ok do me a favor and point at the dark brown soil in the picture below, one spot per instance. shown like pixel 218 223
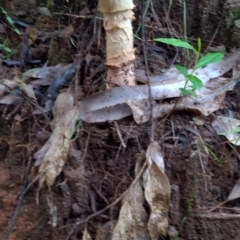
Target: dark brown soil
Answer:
pixel 99 169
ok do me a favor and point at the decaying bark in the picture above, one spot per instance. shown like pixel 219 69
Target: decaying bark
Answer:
pixel 118 16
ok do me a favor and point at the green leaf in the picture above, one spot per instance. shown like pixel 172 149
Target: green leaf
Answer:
pixel 5 42
pixel 176 43
pixel 16 30
pixel 235 130
pixel 186 92
pixel 209 58
pixel 9 19
pixel 3 11
pixel 197 83
pixel 199 45
pixel 7 49
pixel 182 70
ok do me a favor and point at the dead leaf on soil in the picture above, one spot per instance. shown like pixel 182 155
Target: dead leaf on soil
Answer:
pixel 6 85
pixel 52 156
pixel 209 99
pixel 86 235
pixel 28 90
pixel 228 127
pixel 157 192
pixel 141 110
pixel 132 222
pixel 13 98
pixel 116 103
pixel 235 193
pixel 105 231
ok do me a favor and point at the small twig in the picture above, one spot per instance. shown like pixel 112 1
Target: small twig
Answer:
pixel 78 16
pixel 86 147
pixel 216 207
pixel 214 35
pixel 147 73
pixel 119 134
pixel 203 169
pixel 110 205
pixel 92 198
pixel 219 216
pixel 125 140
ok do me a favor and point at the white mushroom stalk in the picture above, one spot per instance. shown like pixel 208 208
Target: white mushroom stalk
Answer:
pixel 118 16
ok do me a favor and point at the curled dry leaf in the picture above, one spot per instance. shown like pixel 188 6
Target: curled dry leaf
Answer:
pixel 52 156
pixel 11 99
pixel 28 90
pixel 141 109
pixel 228 127
pixel 210 97
pixel 132 222
pixel 116 103
pixel 7 85
pixel 105 231
pixel 157 192
pixel 86 235
pixel 235 193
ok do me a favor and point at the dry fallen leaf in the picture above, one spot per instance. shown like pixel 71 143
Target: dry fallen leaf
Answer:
pixel 116 103
pixel 141 109
pixel 157 192
pixel 11 99
pixel 86 235
pixel 235 193
pixel 7 85
pixel 228 127
pixel 132 222
pixel 52 156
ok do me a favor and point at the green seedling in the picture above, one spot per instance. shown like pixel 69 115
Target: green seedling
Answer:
pixel 4 46
pixel 10 20
pixel 199 62
pixel 74 135
pixel 232 131
pixel 235 130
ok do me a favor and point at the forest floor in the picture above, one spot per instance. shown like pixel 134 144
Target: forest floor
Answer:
pixel 98 170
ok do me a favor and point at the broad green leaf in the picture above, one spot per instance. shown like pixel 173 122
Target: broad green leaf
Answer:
pixel 186 92
pixel 175 42
pixel 209 58
pixel 182 70
pixel 197 83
